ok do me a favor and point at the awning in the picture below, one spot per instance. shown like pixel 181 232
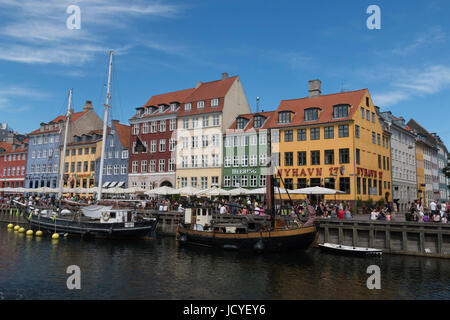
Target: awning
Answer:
pixel 120 184
pixel 105 184
pixel 113 184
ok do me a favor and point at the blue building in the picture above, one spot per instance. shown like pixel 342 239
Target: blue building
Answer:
pixel 115 166
pixel 45 146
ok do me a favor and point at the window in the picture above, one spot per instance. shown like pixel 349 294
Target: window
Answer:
pixel 253 160
pixel 253 181
pixel 152 146
pixel 311 114
pixel 244 181
pixel 215 140
pixel 262 159
pixel 373 138
pixel 173 107
pixel 301 135
pixel 215 160
pixel 205 121
pixel 301 183
pixel 357 131
pixel 384 162
pixel 387 164
pixel 205 141
pixel 244 161
pixel 85 166
pixel 244 141
pixel 74 152
pixel 373 117
pixel 116 169
pixel 288 183
pixel 171 144
pixel 226 181
pixel 367 115
pixel 330 183
pixel 214 102
pixel 204 161
pixel 258 122
pixel 145 127
pixel 236 161
pixel 93 150
pixel 136 129
pixel 288 158
pixel 328 132
pixel 92 166
pixel 329 156
pixel 378 139
pixel 364 186
pixel 379 161
pixel 172 124
pixel 284 117
pixel 315 158
pixel 162 126
pixel 185 123
pixel 171 164
pixel 262 180
pixel 72 167
pixel 161 165
pixel 134 166
pixel 358 155
pixel 216 120
pixel 194 182
pixel 194 142
pixel 204 182
pixel 187 106
pixel 162 145
pixel 253 140
pixel 343 131
pixel 200 104
pixel 344 156
pixel 195 122
pixel 358 185
pixel 263 138
pixel 288 135
pixel 194 162
pixel 340 111
pixel 228 161
pixel 144 166
pixel 315 133
pixel 152 165
pixel 301 158
pixel 240 123
pixel 124 154
pixel 344 185
pixel 184 162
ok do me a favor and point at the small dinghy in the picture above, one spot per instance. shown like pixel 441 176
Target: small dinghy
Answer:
pixel 338 248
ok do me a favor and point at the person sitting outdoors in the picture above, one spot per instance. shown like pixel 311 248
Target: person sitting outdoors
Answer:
pixel 348 214
pixel 341 213
pixel 374 214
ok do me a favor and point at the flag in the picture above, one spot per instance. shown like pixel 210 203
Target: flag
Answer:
pixel 31 214
pixel 54 216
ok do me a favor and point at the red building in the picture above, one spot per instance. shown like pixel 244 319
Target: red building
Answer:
pixel 13 160
pixel 153 139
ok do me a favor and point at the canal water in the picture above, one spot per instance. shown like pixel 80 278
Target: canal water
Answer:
pixel 33 268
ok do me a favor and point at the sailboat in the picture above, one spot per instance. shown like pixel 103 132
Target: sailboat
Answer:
pixel 97 221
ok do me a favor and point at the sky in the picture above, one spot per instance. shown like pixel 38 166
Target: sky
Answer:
pixel 274 46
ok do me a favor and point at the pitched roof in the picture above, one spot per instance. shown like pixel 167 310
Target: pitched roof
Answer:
pixel 324 102
pixel 8 147
pixel 74 117
pixel 251 117
pixel 124 134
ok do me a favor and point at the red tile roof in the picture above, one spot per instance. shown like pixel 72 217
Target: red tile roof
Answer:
pixel 74 117
pixel 8 147
pixel 324 102
pixel 124 134
pixel 268 115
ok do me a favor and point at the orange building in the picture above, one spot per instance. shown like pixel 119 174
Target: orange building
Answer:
pixel 336 141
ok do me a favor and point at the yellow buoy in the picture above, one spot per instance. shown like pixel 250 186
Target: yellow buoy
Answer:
pixel 30 232
pixel 55 236
pixel 38 233
pixel 21 230
pixel 16 228
pixel 10 226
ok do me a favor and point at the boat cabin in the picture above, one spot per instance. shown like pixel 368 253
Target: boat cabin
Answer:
pixel 117 216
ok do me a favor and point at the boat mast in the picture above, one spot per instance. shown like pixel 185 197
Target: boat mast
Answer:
pixel 105 124
pixel 66 132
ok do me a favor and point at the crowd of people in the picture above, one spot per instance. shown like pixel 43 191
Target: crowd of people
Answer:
pixel 436 212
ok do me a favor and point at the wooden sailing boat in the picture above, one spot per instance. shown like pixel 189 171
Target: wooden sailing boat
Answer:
pixel 273 232
pixel 95 221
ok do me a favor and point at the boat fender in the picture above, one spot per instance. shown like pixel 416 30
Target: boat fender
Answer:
pixel 259 246
pixel 105 215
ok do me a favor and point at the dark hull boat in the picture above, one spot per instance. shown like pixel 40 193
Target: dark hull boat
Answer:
pixel 271 241
pixel 96 229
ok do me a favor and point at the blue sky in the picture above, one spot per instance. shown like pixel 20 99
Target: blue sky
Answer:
pixel 274 46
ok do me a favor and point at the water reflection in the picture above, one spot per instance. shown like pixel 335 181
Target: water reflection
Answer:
pixel 160 269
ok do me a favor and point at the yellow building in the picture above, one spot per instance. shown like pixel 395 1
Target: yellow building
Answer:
pixel 420 171
pixel 336 141
pixel 80 160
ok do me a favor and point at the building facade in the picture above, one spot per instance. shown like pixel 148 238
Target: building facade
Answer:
pixel 335 141
pixel 246 152
pixel 404 168
pixel 429 150
pixel 13 158
pixel 202 120
pixel 81 160
pixel 43 165
pixel 153 138
pixel 442 158
pixel 115 163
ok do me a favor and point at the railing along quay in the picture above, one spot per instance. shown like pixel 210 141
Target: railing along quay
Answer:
pixel 407 238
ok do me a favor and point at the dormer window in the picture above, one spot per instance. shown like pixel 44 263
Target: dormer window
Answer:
pixel 284 117
pixel 312 114
pixel 173 106
pixel 241 123
pixel 214 102
pixel 187 106
pixel 161 109
pixel 200 104
pixel 258 122
pixel 340 111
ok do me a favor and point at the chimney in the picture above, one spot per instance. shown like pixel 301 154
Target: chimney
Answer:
pixel 199 83
pixel 224 75
pixel 314 88
pixel 88 106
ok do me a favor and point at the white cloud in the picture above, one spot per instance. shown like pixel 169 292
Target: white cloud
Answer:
pixel 412 83
pixel 431 36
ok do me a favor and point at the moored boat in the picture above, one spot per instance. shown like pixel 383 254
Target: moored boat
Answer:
pixel 350 250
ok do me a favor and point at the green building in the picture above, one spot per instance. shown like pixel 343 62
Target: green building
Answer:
pixel 246 152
